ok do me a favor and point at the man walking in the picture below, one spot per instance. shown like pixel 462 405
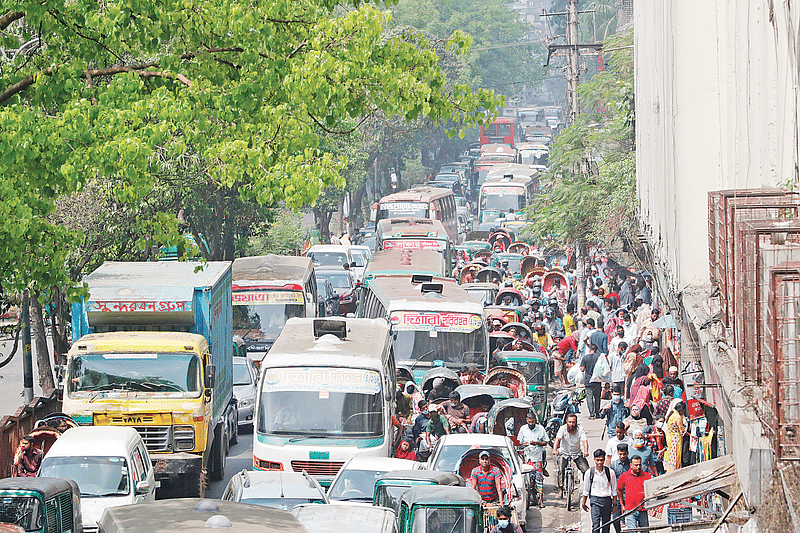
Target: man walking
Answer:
pixel 630 490
pixel 533 436
pixel 593 388
pixel 600 492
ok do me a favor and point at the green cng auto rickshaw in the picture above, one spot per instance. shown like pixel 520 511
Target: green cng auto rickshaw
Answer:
pixel 42 504
pixel 441 510
pixel 532 365
pixel 389 488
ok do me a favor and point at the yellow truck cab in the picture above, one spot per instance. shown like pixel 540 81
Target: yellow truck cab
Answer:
pixel 153 350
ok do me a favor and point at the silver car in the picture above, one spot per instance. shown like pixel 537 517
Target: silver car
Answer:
pixel 245 380
pixel 279 490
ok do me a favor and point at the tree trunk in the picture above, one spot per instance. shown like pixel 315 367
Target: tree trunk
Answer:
pixel 40 345
pixel 357 206
pixel 58 326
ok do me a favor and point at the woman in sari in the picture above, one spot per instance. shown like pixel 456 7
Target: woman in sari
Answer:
pixel 674 430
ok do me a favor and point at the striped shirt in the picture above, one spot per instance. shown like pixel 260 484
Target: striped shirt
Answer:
pixel 485 482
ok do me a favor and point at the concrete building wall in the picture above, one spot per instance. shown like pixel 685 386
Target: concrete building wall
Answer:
pixel 716 108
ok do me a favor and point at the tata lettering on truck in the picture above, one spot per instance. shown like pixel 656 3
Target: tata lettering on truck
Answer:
pixel 152 350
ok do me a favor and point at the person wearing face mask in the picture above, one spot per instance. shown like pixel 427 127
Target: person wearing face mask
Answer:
pixel 642 450
pixel 649 340
pixel 504 524
pixel 615 411
pixel 618 438
pixel 657 440
pixel 630 328
pixel 533 437
pixel 457 413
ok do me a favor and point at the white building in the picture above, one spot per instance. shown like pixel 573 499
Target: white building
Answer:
pixel 716 108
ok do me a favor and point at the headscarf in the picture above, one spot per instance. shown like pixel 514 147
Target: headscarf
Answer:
pixel 641 370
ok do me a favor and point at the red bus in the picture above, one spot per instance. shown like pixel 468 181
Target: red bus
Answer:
pixel 501 131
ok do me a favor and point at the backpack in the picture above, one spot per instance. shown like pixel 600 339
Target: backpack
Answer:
pixel 591 478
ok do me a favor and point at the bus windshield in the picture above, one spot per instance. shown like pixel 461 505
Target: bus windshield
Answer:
pixel 321 402
pixel 265 321
pixel 455 339
pixel 502 198
pixel 402 209
pixel 135 372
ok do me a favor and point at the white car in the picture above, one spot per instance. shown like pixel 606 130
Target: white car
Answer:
pixel 334 255
pixel 355 482
pixel 450 448
pixel 361 255
pixel 245 381
pixel 110 464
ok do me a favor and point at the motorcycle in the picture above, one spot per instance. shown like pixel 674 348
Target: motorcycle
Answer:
pixel 566 401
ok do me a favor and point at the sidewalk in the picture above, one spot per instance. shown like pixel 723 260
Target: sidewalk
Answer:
pixel 598 439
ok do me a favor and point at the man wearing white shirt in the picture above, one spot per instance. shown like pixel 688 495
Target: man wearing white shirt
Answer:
pixel 616 360
pixel 600 491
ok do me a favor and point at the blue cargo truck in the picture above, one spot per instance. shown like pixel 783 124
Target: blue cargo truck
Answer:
pixel 152 349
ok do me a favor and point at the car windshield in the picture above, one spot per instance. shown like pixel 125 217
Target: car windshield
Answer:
pixel 328 258
pixel 287 504
pixel 135 372
pixel 355 485
pixel 449 454
pixel 242 375
pixel 321 402
pixel 265 321
pixel 339 280
pixel 24 511
pixel 444 520
pixel 484 296
pixel 95 476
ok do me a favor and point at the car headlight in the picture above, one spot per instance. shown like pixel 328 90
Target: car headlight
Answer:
pixel 246 402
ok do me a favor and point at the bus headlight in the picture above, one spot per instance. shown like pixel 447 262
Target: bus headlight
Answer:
pixel 183 438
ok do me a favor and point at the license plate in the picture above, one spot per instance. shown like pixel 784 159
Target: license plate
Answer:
pixel 319 455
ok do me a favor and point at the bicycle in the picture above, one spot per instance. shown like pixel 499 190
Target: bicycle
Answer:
pixel 568 481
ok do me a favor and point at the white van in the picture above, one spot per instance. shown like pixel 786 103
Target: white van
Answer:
pixel 110 464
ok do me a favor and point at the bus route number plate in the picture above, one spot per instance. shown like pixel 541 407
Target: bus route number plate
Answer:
pixel 319 455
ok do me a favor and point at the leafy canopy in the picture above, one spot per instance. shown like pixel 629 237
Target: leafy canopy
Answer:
pixel 105 90
pixel 591 187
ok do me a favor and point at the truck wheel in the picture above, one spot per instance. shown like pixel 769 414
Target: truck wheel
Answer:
pixel 218 456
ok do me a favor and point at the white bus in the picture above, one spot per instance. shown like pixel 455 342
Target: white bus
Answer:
pixel 434 322
pixel 326 394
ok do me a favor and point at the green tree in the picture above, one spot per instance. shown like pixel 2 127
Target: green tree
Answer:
pixel 591 189
pixel 112 89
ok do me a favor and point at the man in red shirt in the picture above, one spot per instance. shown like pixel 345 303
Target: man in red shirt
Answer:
pixel 560 355
pixel 630 490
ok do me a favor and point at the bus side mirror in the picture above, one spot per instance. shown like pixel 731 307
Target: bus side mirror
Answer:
pixel 211 372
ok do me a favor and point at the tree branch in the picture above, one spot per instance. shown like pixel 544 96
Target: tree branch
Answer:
pixel 10 17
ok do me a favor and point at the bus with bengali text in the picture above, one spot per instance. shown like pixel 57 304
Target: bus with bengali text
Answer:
pixel 414 234
pixel 507 189
pixel 432 203
pixel 268 290
pixel 433 321
pixel 326 394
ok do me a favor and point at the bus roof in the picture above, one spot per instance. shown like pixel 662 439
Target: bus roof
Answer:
pixel 272 268
pixel 411 227
pixel 488 149
pixel 403 295
pixel 366 343
pixel 417 194
pixel 405 262
pixel 499 181
pixel 515 169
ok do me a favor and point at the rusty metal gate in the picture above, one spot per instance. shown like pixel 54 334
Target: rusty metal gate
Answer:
pixel 782 371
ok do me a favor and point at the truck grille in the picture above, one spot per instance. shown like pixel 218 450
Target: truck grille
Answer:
pixel 119 420
pixel 65 510
pixel 318 468
pixel 156 438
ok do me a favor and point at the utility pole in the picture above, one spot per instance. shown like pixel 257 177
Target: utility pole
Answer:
pixel 573 52
pixel 573 73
